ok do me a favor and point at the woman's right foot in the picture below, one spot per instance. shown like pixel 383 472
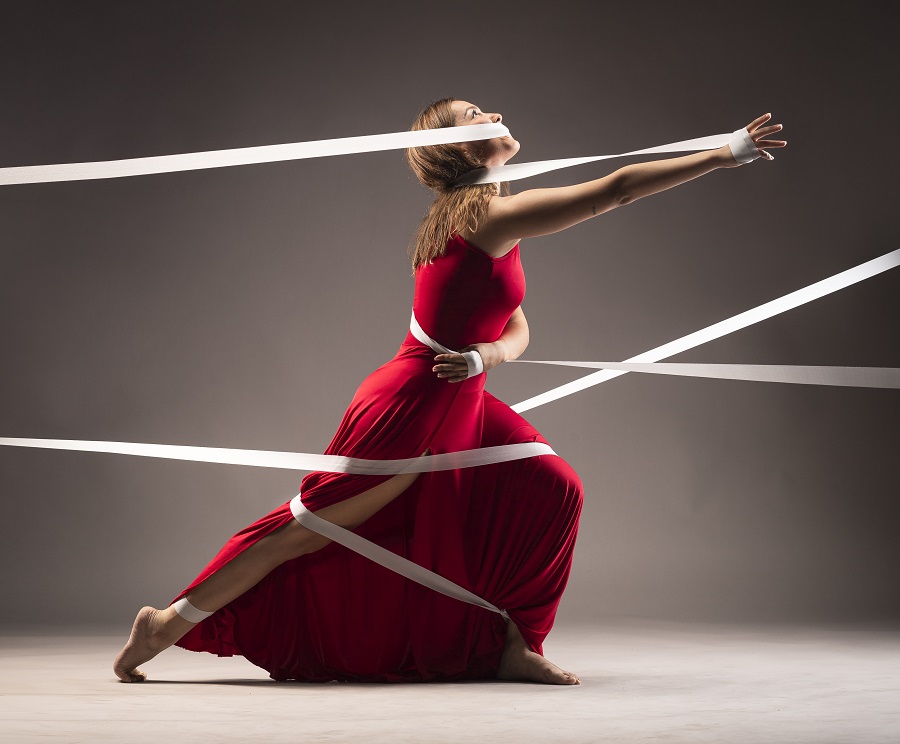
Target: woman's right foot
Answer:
pixel 524 665
pixel 153 631
pixel 520 664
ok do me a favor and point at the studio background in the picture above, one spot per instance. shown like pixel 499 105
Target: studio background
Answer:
pixel 240 307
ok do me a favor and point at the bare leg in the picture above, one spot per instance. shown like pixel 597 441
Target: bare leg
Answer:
pixel 155 630
pixel 520 664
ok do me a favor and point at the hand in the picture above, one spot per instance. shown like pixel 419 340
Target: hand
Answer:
pixel 757 133
pixel 452 367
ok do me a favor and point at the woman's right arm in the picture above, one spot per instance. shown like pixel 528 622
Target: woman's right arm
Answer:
pixel 545 211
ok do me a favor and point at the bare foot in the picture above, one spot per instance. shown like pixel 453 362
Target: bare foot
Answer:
pixel 153 631
pixel 520 664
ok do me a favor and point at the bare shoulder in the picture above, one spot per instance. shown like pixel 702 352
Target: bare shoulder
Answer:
pixel 491 237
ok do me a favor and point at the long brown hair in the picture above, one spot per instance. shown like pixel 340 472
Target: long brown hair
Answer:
pixel 455 208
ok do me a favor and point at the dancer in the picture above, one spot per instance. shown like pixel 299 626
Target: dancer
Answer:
pixel 303 608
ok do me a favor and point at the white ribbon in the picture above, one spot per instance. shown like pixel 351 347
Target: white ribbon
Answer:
pixel 857 376
pixel 247 155
pixel 724 327
pixel 340 146
pixel 386 558
pixel 872 377
pixel 298 460
pixel 502 173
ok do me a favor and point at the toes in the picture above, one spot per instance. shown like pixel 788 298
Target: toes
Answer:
pixel 129 675
pixel 561 676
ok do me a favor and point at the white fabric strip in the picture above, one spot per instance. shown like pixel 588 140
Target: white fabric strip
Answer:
pixel 487 455
pixel 474 362
pixel 386 558
pixel 189 612
pixel 872 377
pixel 326 148
pixel 299 460
pixel 502 173
pixel 247 155
pixel 723 328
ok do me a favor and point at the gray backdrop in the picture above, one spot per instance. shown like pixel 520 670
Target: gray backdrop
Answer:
pixel 241 307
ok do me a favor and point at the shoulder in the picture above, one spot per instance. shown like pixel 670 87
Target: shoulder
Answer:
pixel 490 236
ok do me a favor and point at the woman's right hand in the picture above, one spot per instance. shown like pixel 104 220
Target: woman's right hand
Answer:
pixel 757 133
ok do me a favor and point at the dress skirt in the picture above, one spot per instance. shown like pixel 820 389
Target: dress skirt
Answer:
pixel 505 531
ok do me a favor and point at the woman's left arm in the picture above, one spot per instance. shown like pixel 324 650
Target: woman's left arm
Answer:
pixel 512 342
pixel 544 211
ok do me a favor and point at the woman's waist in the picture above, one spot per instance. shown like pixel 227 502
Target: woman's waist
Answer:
pixel 416 349
pixel 415 361
pixel 430 334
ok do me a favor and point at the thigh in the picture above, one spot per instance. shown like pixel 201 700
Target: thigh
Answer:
pixel 502 425
pixel 353 511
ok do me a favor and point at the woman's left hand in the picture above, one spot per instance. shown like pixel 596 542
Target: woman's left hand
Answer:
pixel 757 133
pixel 452 367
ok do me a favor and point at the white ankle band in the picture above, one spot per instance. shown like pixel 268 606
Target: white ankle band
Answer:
pixel 189 612
pixel 743 148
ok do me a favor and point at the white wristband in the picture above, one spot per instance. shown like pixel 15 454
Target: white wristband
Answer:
pixel 743 148
pixel 474 362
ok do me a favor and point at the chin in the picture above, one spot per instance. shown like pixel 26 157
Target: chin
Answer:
pixel 497 151
pixel 508 150
pixel 513 146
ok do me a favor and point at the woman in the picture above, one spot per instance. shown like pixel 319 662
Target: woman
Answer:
pixel 302 608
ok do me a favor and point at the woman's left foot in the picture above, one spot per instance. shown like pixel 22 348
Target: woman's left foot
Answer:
pixel 151 633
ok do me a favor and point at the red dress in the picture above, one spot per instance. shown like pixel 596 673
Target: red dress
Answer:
pixel 504 531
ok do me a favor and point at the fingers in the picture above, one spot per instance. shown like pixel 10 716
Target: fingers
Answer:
pixel 449 362
pixel 765 131
pixel 452 367
pixel 758 122
pixel 457 375
pixel 758 132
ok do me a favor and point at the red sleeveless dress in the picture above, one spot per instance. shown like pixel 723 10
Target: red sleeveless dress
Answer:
pixel 504 531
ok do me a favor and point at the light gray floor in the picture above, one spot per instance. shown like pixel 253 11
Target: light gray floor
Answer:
pixel 642 682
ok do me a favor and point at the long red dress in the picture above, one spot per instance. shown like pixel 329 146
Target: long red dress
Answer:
pixel 504 531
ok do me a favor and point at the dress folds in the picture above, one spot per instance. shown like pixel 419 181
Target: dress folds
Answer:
pixel 504 531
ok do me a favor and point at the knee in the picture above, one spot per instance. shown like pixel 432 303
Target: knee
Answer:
pixel 560 481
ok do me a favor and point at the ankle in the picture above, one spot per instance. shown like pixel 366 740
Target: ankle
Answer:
pixel 170 626
pixel 514 639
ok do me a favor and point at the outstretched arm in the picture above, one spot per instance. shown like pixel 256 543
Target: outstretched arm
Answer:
pixel 544 211
pixel 511 344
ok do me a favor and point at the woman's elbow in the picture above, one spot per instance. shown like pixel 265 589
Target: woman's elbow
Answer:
pixel 621 189
pixel 614 192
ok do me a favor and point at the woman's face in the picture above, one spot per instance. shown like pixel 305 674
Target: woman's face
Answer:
pixel 490 152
